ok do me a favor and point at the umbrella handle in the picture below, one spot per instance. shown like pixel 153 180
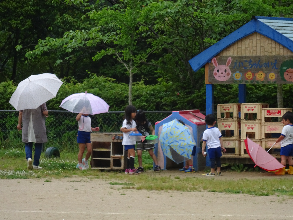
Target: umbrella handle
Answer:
pixel 271 146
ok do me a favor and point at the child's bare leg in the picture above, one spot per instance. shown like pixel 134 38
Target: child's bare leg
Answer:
pixel 151 152
pixel 139 153
pixel 218 161
pixel 290 161
pixel 89 151
pixel 81 151
pixel 131 152
pixel 283 160
pixel 212 170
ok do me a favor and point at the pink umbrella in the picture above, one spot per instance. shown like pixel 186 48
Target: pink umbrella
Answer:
pixel 85 103
pixel 262 158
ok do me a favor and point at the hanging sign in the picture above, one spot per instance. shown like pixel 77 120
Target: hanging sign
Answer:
pixel 251 69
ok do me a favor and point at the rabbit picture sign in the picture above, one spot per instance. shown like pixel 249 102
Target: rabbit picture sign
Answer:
pixel 251 69
pixel 222 72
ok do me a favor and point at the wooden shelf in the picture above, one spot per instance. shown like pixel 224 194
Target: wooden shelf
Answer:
pixel 108 153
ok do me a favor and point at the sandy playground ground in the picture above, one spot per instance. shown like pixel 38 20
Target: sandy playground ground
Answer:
pixel 86 198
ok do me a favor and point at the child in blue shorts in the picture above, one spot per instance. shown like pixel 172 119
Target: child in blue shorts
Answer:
pixel 84 139
pixel 212 138
pixel 286 140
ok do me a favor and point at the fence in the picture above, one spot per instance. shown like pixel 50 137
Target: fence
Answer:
pixel 62 126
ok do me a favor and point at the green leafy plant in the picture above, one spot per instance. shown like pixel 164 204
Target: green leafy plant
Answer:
pixel 238 167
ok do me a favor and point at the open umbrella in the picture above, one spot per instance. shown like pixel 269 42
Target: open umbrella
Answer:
pixel 176 141
pixel 261 157
pixel 85 103
pixel 34 91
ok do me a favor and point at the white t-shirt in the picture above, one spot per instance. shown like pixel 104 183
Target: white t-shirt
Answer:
pixel 84 124
pixel 287 132
pixel 212 137
pixel 126 139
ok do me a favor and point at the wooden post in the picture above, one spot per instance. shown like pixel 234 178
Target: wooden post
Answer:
pixel 242 93
pixel 209 102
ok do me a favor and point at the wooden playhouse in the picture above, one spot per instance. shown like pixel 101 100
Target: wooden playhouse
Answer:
pixel 259 52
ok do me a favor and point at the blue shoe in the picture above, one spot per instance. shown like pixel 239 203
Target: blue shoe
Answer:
pixel 190 170
pixel 157 168
pixel 183 169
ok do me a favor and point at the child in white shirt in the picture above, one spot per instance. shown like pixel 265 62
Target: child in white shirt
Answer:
pixel 84 139
pixel 212 138
pixel 128 126
pixel 286 140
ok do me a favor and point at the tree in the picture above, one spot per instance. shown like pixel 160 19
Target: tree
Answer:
pixel 22 24
pixel 116 31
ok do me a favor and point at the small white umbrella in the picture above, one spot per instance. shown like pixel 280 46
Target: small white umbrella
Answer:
pixel 35 90
pixel 85 103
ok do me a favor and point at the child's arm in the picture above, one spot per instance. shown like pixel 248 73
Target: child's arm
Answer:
pixel 203 148
pixel 78 116
pixel 152 130
pixel 280 138
pixel 222 146
pixel 95 129
pixel 125 130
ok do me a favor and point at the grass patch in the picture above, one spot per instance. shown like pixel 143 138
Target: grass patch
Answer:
pixel 13 166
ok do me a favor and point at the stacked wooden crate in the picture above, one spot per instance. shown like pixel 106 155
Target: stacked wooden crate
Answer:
pixel 272 126
pixel 251 116
pixel 253 120
pixel 229 125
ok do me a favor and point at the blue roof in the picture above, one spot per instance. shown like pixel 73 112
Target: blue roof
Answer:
pixel 278 29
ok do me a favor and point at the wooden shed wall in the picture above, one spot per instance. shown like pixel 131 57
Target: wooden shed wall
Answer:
pixel 255 45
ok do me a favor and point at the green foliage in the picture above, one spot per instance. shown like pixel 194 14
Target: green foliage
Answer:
pixel 14 153
pixel 58 164
pixel 239 167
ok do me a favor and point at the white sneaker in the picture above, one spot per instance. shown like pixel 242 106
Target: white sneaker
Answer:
pixel 37 167
pixel 29 163
pixel 80 166
pixel 85 164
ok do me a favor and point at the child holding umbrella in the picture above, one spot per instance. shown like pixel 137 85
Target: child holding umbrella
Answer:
pixel 286 140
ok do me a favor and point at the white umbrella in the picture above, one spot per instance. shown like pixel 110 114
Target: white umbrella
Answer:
pixel 35 90
pixel 85 103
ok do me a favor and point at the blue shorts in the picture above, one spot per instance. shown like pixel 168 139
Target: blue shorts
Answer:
pixel 193 151
pixel 287 150
pixel 127 147
pixel 215 152
pixel 83 137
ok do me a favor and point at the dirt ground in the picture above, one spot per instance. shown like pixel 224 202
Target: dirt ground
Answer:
pixel 84 198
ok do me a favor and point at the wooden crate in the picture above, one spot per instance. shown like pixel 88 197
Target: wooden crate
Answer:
pixel 251 129
pixel 252 111
pixel 229 128
pixel 232 146
pixel 228 111
pixel 267 144
pixel 107 151
pixel 270 113
pixel 269 128
pixel 243 152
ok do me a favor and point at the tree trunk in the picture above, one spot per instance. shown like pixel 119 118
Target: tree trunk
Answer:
pixel 15 57
pixel 130 87
pixel 280 95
